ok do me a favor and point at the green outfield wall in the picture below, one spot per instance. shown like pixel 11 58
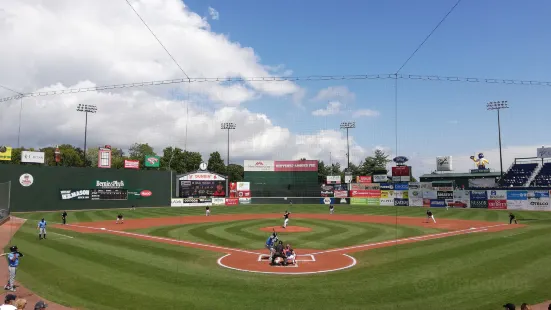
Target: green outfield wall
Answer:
pixel 49 188
pixel 283 184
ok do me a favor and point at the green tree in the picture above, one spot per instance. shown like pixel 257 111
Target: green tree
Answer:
pixel 216 163
pixel 236 173
pixel 138 151
pixel 71 156
pixel 374 164
pixel 180 161
pixel 413 179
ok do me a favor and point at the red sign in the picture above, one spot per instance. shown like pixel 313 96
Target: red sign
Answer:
pixel 400 171
pixel 340 194
pixel 244 194
pixel 363 179
pixel 232 201
pixel 233 189
pixel 131 164
pixel 426 202
pixel 104 158
pixel 366 193
pixel 357 186
pixel 295 165
pixel 497 204
pixel 146 193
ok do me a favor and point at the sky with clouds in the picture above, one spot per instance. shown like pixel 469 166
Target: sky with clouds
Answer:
pixel 57 45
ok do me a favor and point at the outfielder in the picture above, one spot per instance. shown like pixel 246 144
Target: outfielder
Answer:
pixel 331 209
pixel 13 263
pixel 120 219
pixel 286 216
pixel 64 217
pixel 430 216
pixel 207 211
pixel 512 218
pixel 41 229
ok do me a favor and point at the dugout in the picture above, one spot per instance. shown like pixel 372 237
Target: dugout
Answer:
pixel 283 184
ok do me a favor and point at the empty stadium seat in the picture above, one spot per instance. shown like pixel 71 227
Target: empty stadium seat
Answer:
pixel 518 175
pixel 543 178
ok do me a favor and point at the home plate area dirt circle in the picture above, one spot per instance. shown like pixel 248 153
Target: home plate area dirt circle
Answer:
pixel 288 229
pixel 306 263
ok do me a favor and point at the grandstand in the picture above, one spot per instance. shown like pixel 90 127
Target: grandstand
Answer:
pixel 528 172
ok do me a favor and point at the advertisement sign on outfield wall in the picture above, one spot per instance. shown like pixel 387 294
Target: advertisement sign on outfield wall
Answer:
pixel 386 201
pixel 401 202
pixel 517 195
pixel 444 194
pixel 426 202
pixel 258 165
pixel 364 179
pixel 479 204
pixel 380 178
pixel 497 195
pixel 231 201
pixel 327 200
pixel 295 165
pixel 358 201
pixel 429 194
pixel 218 201
pixel 401 186
pixel 333 179
pixel 243 186
pixel 479 195
pixel 416 202
pixel 437 203
pixel 340 194
pixel 367 193
pixel 496 204
pixel 244 201
pixel 400 171
pixel 244 194
pixel 517 204
pixel 373 201
pixel 386 186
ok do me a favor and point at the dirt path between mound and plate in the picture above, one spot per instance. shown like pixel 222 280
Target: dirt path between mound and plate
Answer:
pixel 7 231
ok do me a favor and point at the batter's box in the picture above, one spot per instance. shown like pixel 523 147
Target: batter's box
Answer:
pixel 300 258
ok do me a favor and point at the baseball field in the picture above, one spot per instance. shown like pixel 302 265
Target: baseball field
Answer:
pixel 358 258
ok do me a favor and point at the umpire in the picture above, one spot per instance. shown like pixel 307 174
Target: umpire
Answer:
pixel 278 253
pixel 64 217
pixel 13 263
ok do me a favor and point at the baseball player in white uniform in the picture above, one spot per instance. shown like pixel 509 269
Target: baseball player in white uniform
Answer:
pixel 286 216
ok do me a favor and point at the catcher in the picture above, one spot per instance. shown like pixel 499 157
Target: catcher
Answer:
pixel 279 253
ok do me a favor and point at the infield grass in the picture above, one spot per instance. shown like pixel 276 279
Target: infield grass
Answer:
pixel 103 271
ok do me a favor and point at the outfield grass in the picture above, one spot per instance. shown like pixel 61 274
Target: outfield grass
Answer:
pixel 102 271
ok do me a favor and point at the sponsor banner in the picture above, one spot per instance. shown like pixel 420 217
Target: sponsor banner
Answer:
pixel 415 193
pixel 444 163
pixel 327 201
pixel 152 161
pixel 458 203
pixel 443 188
pixel 5 154
pixel 109 184
pixel 414 185
pixel 386 201
pixel 396 179
pixel 497 204
pixel 295 165
pixel 131 164
pixel 461 195
pixel 74 194
pixel 426 185
pixel 244 201
pixel 401 186
pixel 430 194
pixel 479 195
pixel 233 189
pixel 482 183
pixel 327 190
pixel 347 179
pixel 32 157
pixel 402 202
pixel 400 171
pixel 538 194
pixel 379 178
pixel 219 201
pixel 461 199
pixel 426 202
pixel 437 203
pixel 387 194
pixel 366 193
pixel 343 201
pixel 190 202
pixel 26 180
pixel 244 194
pixel 258 165
pixel 231 201
pixel 405 179
pixel 479 204
pixel 517 204
pixel 539 204
pixel 372 186
pixel 243 186
pixel 497 195
pixel 400 194
pixel 104 157
pixel 177 202
pixel 373 201
pixel 387 186
pixel 517 195
pixel 444 195
pixel 333 179
pixel 364 179
pixel 358 201
pixel 340 194
pixel 416 202
pixel 204 176
pixel 357 186
pixel 544 152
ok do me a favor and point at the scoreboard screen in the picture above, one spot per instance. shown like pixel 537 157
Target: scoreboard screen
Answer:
pixel 201 188
pixel 109 194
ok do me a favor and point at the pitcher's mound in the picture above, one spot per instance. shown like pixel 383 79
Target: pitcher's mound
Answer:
pixel 290 229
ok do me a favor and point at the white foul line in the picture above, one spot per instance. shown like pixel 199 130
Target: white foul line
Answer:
pixel 166 239
pixel 419 238
pixel 65 236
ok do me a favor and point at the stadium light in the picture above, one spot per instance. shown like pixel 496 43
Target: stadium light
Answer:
pixel 347 126
pixel 498 105
pixel 228 127
pixel 86 108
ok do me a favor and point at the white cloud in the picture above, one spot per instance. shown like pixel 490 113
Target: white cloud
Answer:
pixel 214 13
pixel 366 113
pixel 333 107
pixel 338 93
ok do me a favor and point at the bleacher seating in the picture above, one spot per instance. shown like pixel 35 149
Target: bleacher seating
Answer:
pixel 544 176
pixel 518 175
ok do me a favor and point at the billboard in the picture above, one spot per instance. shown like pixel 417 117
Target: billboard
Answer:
pixel 358 201
pixel 104 158
pixel 373 201
pixel 497 204
pixel 32 157
pixel 131 164
pixel 538 201
pixel 258 165
pixel 401 171
pixel 444 163
pixel 152 161
pixel 378 178
pixel 364 179
pixel 437 203
pixel 544 152
pixel 401 186
pixel 333 179
pixel 5 154
pixel 386 201
pixel 401 202
pixel 497 195
pixel 295 165
pixel 517 195
pixel 366 193
pixel 340 194
pixel 243 186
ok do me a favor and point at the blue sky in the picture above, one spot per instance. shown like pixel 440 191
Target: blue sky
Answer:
pixel 488 39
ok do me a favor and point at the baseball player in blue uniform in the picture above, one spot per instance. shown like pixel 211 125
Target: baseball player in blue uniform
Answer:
pixel 42 229
pixel 271 242
pixel 13 263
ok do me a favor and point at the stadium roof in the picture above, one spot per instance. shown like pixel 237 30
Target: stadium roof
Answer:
pixel 461 175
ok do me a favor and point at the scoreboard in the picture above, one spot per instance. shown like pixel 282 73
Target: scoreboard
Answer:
pixel 109 194
pixel 200 188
